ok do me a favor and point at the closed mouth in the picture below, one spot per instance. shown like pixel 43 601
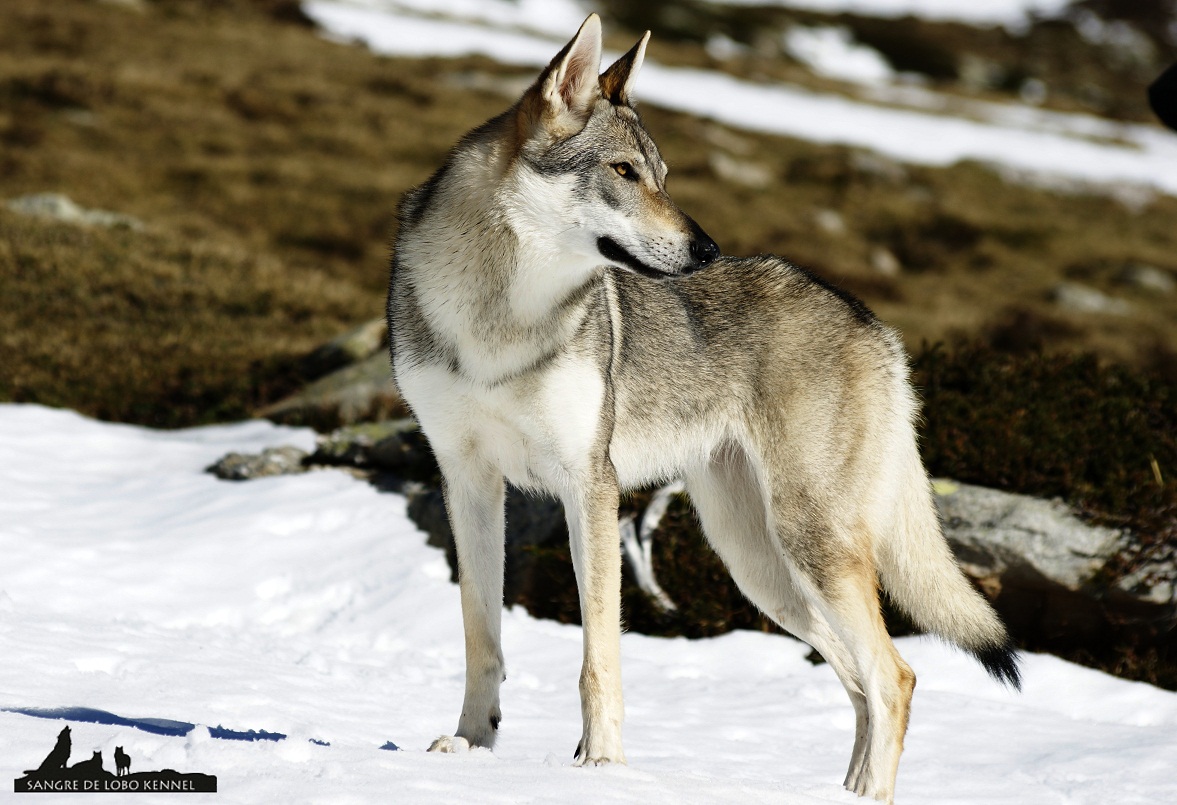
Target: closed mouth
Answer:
pixel 613 251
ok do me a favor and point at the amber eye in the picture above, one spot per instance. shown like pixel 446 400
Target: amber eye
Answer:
pixel 625 171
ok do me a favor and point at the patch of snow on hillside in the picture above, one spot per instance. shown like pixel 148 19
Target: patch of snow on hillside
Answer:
pixel 832 52
pixel 1011 13
pixel 1022 140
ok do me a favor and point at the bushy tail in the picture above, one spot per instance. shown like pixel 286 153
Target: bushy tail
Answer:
pixel 920 574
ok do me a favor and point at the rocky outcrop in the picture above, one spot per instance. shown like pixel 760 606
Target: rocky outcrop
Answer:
pixel 357 344
pixel 272 461
pixel 1077 298
pixel 360 392
pixel 351 382
pixel 1046 570
pixel 1004 539
pixel 395 451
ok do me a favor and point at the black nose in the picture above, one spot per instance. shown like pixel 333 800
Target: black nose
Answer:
pixel 703 249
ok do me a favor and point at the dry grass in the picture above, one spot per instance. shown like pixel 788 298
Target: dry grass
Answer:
pixel 266 164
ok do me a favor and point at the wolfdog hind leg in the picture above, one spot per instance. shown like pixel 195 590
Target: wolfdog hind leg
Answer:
pixel 727 494
pixel 596 558
pixel 474 496
pixel 844 607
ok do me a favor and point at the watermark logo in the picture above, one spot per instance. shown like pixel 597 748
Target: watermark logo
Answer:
pixel 56 775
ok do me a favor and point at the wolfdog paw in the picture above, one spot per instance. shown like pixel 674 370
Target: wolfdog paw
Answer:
pixel 449 743
pixel 869 789
pixel 602 756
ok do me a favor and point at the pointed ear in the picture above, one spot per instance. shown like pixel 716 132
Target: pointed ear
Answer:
pixel 570 82
pixel 562 99
pixel 617 81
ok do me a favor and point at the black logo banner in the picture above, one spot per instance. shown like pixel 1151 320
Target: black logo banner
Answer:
pixel 57 775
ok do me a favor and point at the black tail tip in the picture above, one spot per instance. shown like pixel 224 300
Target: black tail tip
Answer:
pixel 1001 661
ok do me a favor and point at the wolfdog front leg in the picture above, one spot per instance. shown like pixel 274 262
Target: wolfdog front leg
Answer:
pixel 596 558
pixel 474 494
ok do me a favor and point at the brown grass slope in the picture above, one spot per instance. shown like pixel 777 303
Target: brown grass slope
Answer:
pixel 266 164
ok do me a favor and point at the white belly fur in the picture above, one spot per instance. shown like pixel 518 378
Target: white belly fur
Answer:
pixel 643 455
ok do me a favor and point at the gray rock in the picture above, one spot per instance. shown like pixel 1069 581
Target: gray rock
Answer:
pixel 353 383
pixel 1005 540
pixel 885 262
pixel 978 73
pixel 1153 581
pixel 507 86
pixel 1148 278
pixel 353 346
pixel 742 172
pixel 393 446
pixel 353 444
pixel 359 392
pixel 272 461
pixel 62 208
pixel 1082 299
pixel 727 140
pixel 1053 576
pixel 1017 539
pixel 830 221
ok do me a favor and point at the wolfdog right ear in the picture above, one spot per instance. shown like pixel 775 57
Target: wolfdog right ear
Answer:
pixel 618 80
pixel 562 99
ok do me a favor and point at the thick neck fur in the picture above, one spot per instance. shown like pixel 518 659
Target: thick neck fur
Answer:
pixel 486 265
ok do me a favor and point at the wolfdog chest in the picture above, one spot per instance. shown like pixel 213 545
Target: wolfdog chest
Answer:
pixel 632 381
pixel 539 430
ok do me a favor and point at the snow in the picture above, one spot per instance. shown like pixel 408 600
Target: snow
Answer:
pixel 1013 13
pixel 559 18
pixel 831 51
pixel 1070 150
pixel 137 584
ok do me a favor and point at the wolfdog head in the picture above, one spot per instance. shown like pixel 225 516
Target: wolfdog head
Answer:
pixel 587 164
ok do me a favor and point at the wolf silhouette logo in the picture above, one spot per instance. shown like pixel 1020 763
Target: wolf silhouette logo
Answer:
pixel 58 756
pixel 89 768
pixel 122 761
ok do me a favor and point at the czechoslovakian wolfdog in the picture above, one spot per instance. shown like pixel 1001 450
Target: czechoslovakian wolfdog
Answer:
pixel 545 331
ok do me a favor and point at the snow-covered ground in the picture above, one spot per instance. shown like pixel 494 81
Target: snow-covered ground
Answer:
pixel 135 583
pixel 933 129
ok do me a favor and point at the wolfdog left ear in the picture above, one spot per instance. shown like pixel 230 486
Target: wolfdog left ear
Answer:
pixel 562 99
pixel 617 81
